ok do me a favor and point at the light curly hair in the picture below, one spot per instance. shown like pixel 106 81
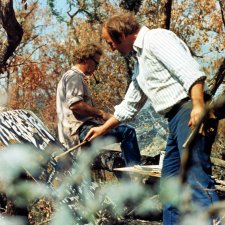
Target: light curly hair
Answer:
pixel 125 23
pixel 85 52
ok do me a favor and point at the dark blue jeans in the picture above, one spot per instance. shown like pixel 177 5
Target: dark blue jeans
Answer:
pixel 199 174
pixel 124 134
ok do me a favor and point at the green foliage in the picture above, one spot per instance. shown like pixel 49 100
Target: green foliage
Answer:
pixel 11 221
pixel 75 198
pixel 51 4
pixel 78 200
pixel 171 190
pixel 15 160
pixel 61 215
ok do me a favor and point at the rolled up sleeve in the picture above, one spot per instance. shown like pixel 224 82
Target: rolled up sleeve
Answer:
pixel 74 90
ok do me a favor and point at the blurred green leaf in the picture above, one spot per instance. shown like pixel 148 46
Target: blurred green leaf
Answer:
pixel 24 192
pixel 170 191
pixel 12 221
pixel 62 216
pixel 17 159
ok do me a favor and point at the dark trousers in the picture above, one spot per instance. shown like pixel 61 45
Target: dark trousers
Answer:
pixel 124 134
pixel 199 174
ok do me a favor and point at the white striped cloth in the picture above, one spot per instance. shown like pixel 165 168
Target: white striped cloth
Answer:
pixel 164 74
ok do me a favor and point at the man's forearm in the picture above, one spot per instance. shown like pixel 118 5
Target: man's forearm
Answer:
pixel 111 123
pixel 84 109
pixel 197 94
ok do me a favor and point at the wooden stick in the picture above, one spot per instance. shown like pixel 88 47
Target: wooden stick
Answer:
pixel 140 171
pixel 30 175
pixel 68 151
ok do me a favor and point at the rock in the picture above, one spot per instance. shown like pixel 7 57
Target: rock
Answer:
pixel 151 129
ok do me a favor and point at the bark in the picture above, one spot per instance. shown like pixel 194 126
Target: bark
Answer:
pixel 168 9
pixel 131 5
pixel 12 28
pixel 217 79
pixel 130 62
pixel 164 11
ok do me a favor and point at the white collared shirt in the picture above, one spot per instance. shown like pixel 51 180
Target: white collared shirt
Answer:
pixel 164 74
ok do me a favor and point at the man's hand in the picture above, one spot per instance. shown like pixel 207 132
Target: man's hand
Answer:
pixel 94 132
pixel 196 114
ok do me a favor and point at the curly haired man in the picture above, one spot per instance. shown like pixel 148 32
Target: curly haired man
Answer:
pixel 77 113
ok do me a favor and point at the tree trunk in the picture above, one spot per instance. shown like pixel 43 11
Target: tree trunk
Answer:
pixel 131 5
pixel 222 7
pixel 12 28
pixel 168 9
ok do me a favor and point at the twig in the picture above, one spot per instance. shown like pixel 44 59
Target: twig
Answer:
pixel 46 221
pixel 56 158
pixel 30 175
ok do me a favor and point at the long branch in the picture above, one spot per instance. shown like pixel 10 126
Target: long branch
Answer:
pixel 187 151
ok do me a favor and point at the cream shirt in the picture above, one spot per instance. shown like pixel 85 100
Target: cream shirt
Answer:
pixel 71 88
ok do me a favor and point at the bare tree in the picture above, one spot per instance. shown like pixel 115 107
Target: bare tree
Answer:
pixel 222 7
pixel 13 31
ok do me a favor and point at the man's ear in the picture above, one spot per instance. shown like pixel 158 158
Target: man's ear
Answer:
pixel 122 37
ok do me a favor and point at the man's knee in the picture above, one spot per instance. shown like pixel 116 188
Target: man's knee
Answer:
pixel 129 130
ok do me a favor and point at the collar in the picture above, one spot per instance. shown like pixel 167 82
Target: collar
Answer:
pixel 138 43
pixel 74 68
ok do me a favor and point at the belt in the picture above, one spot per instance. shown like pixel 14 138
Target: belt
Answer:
pixel 176 108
